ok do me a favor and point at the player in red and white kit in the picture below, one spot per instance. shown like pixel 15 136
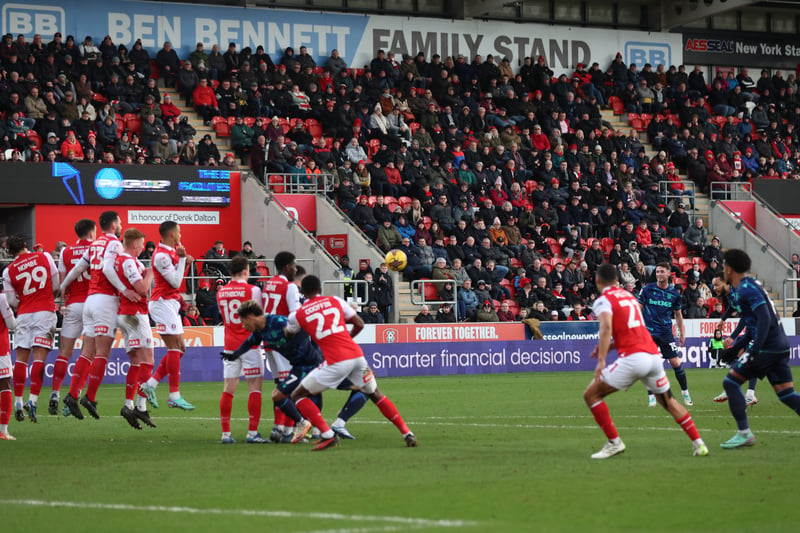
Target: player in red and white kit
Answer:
pixel 281 297
pixel 8 323
pixel 325 319
pixel 134 323
pixel 638 359
pixel 30 284
pixel 74 298
pixel 99 313
pixel 169 265
pixel 250 365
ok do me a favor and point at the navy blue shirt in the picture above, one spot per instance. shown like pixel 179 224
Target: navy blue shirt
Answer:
pixel 299 350
pixel 658 308
pixel 764 331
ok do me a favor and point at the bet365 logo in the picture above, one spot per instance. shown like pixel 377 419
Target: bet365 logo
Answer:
pixel 30 19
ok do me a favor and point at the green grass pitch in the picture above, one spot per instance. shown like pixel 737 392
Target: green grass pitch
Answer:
pixel 497 453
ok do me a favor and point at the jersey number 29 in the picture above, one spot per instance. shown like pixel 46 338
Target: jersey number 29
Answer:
pixel 34 280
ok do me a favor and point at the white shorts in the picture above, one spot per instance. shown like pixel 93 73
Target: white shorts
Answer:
pixel 72 325
pixel 250 365
pixel 278 365
pixel 641 366
pixel 167 316
pixel 327 376
pixel 100 315
pixel 136 332
pixel 35 329
pixel 5 366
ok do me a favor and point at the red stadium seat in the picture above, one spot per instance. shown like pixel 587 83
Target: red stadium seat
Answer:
pixel 428 221
pixel 231 121
pixel 513 306
pixel 222 129
pixel 249 121
pixel 607 244
pixel 276 184
pixel 405 202
pixel 508 285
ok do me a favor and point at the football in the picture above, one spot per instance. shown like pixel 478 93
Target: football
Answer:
pixel 396 260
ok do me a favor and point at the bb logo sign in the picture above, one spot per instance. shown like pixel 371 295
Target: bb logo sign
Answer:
pixel 30 19
pixel 654 53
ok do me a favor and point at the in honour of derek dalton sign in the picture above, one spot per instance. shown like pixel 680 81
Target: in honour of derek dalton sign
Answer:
pixel 181 217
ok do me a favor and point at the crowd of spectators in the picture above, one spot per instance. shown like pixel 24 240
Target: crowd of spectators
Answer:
pixel 485 166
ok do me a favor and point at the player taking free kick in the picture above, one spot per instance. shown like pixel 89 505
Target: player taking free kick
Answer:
pixel 638 359
pixel 325 319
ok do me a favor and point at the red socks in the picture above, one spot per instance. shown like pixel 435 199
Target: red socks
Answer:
pixel 132 382
pixel 173 367
pixel 161 371
pixel 392 415
pixel 145 369
pixel 59 371
pixel 603 419
pixel 225 407
pixel 6 401
pixel 310 412
pixel 37 377
pixel 20 375
pixel 79 375
pixel 96 375
pixel 687 425
pixel 253 409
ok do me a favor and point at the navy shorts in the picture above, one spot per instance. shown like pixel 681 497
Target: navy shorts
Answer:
pixel 773 366
pixel 668 348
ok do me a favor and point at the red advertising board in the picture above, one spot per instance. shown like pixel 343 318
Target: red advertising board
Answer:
pixel 336 245
pixel 395 333
pixel 303 207
pixel 745 209
pixel 200 226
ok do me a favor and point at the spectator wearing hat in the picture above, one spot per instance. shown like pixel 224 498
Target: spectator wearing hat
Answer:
pixel 205 102
pixel 486 313
pixel 207 150
pixel 372 315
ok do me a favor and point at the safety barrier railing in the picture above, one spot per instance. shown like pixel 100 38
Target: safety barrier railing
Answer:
pixel 685 196
pixel 352 290
pixel 418 289
pixel 725 190
pixel 790 294
pixel 298 182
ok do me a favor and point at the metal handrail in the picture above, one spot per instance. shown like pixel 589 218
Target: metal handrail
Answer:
pixel 730 190
pixel 289 183
pixel 418 288
pixel 787 292
pixel 353 285
pixel 666 192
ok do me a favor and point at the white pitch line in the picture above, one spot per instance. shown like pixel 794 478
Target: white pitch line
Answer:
pixel 405 521
pixel 417 422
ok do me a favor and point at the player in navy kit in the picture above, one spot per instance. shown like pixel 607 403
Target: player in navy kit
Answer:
pixel 303 355
pixel 660 302
pixel 763 351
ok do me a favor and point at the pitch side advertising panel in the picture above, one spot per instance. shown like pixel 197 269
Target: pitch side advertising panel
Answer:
pixel 450 349
pixel 90 184
pixel 356 37
pixel 704 47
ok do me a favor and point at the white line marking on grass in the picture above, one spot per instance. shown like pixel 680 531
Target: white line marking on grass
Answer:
pixel 406 522
pixel 419 422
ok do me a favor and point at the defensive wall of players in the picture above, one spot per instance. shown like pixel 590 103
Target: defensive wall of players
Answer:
pixel 394 350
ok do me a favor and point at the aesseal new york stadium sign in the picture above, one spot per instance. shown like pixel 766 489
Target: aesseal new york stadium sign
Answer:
pixel 89 184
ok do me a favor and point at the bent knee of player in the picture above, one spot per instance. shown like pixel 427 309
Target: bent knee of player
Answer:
pixel 375 396
pixel 300 392
pixel 778 387
pixel 278 395
pixel 5 384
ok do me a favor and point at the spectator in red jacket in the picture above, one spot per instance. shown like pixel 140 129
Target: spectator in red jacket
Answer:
pixel 205 101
